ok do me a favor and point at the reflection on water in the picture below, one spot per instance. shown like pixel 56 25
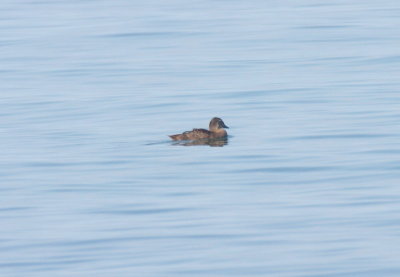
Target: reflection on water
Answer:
pixel 218 142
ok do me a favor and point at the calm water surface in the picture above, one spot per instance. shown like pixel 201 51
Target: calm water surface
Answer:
pixel 307 184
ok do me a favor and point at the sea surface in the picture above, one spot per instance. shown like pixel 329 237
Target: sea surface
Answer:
pixel 307 184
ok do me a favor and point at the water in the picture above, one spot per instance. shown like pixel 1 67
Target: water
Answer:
pixel 306 185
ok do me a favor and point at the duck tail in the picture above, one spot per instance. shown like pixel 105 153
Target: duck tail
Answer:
pixel 175 137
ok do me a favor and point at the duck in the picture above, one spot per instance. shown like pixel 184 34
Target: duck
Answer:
pixel 216 130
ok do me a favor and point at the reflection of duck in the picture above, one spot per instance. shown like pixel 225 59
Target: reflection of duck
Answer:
pixel 216 131
pixel 211 142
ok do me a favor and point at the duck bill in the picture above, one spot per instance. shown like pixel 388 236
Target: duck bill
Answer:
pixel 223 125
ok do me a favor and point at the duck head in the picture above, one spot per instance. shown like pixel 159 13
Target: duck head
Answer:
pixel 217 123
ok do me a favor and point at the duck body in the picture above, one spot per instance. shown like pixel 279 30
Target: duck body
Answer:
pixel 196 134
pixel 216 131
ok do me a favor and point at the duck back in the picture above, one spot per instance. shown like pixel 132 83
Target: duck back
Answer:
pixel 192 135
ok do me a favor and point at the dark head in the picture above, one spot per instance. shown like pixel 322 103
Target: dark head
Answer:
pixel 217 123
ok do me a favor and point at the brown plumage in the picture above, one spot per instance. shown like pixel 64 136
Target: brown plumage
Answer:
pixel 216 131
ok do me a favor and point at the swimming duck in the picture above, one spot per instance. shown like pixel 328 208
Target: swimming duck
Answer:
pixel 216 131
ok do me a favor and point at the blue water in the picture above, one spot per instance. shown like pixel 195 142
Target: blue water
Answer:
pixel 306 185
